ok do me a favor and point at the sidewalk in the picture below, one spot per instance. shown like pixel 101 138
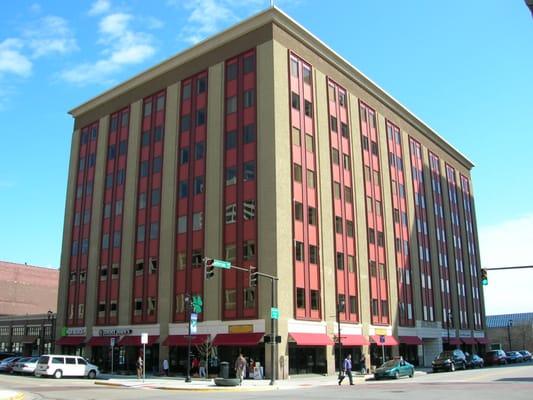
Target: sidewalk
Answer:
pixel 11 395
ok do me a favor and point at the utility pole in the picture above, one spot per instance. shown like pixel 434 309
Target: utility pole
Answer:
pixel 340 308
pixel 509 326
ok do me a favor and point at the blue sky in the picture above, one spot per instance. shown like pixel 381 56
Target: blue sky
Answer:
pixel 464 67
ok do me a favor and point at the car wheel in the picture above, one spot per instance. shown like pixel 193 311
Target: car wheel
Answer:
pixel 58 374
pixel 396 375
pixel 412 373
pixel 452 367
pixel 91 374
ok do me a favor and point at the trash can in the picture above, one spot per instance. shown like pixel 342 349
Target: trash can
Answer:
pixel 224 370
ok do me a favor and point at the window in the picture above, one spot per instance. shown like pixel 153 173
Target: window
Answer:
pixel 83 275
pixel 152 265
pixel 230 252
pixel 154 230
pixel 342 99
pixel 158 133
pixel 114 123
pixel 72 277
pixel 311 179
pixel 347 162
pixel 307 75
pixel 382 271
pixel 231 71
pixel 86 216
pixel 374 147
pixel 315 297
pixel 186 93
pixel 185 123
pixel 308 108
pixel 339 260
pixel 297 172
pixel 229 299
pixel 381 239
pixel 112 312
pixel 300 297
pixel 371 236
pixel 249 64
pixel 378 208
pixel 313 254
pixel 156 197
pixel 351 263
pixel 115 271
pixel 375 310
pixel 182 224
pixel 298 251
pixel 81 311
pixel 249 297
pixel 348 194
pixel 353 305
pixel 147 108
pixel 298 211
pixel 384 308
pixel 231 105
pixel 248 250
pixel 181 261
pixel 201 85
pixel 296 138
pixel 117 239
pixel 249 133
pixel 231 140
pixel 198 185
pixel 180 303
pixel 183 189
pixel 111 150
pixel 376 178
pixel 109 180
pixel 335 156
pixel 140 233
pixel 248 98
pixel 142 200
pixel 200 117
pixel 138 309
pixel 84 246
pixel 333 123
pixel 312 215
pixel 197 221
pixel 249 209
pixel 77 218
pixel 145 138
pixel 309 143
pixel 105 241
pixel 294 68
pixel 118 207
pixel 231 176
pixel 349 229
pixel 249 171
pixel 101 313
pixel 160 103
pixel 338 224
pixel 144 169
pixel 336 190
pixel 295 100
pixel 184 155
pixel 365 143
pixel 231 213
pixel 197 258
pixel 331 93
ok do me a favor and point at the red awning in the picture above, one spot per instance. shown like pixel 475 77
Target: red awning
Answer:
pixel 238 339
pixel 354 340
pixel 468 340
pixel 182 340
pixel 136 340
pixel 311 339
pixel 389 340
pixel 453 340
pixel 70 340
pixel 411 340
pixel 483 340
pixel 100 341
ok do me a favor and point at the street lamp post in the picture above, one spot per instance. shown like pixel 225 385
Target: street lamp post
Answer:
pixel 51 320
pixel 340 308
pixel 188 312
pixel 448 322
pixel 509 326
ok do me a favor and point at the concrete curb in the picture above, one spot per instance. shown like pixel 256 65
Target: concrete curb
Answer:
pixel 192 389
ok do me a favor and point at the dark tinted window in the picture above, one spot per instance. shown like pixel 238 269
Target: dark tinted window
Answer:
pixel 58 360
pixel 81 361
pixel 70 360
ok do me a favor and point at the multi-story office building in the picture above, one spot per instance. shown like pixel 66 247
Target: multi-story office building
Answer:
pixel 263 147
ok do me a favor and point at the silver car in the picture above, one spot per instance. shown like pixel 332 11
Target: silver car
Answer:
pixel 25 365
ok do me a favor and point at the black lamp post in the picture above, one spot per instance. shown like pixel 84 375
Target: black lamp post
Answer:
pixel 51 320
pixel 448 322
pixel 340 308
pixel 188 306
pixel 509 326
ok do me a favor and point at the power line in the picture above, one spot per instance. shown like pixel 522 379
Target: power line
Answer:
pixel 498 268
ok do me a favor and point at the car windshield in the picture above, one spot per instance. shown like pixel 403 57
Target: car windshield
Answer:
pixel 446 354
pixel 390 364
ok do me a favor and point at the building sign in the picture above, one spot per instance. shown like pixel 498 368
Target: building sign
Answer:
pixel 75 331
pixel 240 329
pixel 380 331
pixel 115 332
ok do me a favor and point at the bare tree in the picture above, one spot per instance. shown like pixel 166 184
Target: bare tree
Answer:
pixel 206 351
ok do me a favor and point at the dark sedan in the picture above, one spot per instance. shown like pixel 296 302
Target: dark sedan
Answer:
pixel 449 360
pixel 526 355
pixel 514 357
pixel 474 361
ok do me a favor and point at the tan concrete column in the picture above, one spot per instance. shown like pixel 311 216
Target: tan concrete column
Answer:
pixel 214 188
pixel 62 298
pixel 129 216
pixel 167 243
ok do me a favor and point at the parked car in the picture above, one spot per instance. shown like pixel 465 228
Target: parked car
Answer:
pixel 25 365
pixel 449 360
pixel 7 363
pixel 513 357
pixel 526 355
pixel 394 369
pixel 5 355
pixel 495 357
pixel 474 361
pixel 61 365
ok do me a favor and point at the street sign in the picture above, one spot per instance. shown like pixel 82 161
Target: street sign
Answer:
pixel 381 339
pixel 197 304
pixel 144 338
pixel 221 264
pixel 112 342
pixel 194 322
pixel 274 313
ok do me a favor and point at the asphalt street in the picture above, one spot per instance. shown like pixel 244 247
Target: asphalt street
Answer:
pixel 509 382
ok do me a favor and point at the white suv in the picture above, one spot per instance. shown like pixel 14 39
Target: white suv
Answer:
pixel 60 365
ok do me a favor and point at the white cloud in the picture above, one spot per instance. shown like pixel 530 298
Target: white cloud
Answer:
pixel 509 243
pixel 51 35
pixel 35 8
pixel 122 46
pixel 100 7
pixel 12 60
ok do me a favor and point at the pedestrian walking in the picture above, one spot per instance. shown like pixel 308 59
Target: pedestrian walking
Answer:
pixel 201 370
pixel 362 362
pixel 139 366
pixel 240 367
pixel 165 366
pixel 346 369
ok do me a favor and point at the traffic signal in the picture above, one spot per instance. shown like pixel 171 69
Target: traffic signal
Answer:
pixel 484 277
pixel 209 268
pixel 252 275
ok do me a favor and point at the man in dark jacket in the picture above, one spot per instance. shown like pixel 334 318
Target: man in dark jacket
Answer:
pixel 346 369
